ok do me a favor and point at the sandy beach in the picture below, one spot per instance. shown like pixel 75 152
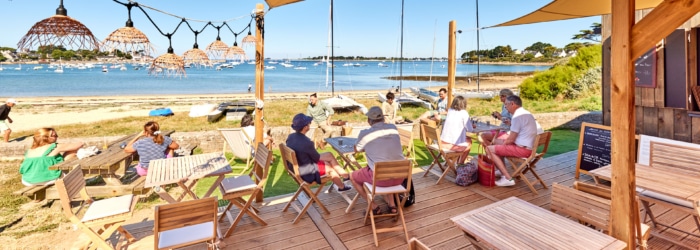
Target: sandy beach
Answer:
pixel 36 112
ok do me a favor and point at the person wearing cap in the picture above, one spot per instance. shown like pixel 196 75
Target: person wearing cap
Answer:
pixel 321 114
pixel 454 130
pixel 313 165
pixel 5 119
pixel 380 142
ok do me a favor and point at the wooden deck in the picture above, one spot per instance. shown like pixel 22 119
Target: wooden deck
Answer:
pixel 428 219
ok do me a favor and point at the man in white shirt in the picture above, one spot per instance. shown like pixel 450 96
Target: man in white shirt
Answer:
pixel 520 140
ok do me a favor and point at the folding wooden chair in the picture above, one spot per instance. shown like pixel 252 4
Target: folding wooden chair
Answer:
pixel 432 136
pixel 289 158
pixel 407 145
pixel 386 171
pixel 523 165
pixel 102 217
pixel 237 187
pixel 186 223
pixel 235 140
pixel 415 244
pixel 590 204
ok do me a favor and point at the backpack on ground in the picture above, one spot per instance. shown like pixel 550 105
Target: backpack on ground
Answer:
pixel 467 173
pixel 411 195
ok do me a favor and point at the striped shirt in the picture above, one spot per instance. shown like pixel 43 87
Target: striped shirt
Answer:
pixel 149 150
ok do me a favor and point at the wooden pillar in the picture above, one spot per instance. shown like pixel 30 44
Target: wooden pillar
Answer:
pixel 451 60
pixel 259 80
pixel 622 112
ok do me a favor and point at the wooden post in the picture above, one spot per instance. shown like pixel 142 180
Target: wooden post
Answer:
pixel 622 121
pixel 259 80
pixel 451 60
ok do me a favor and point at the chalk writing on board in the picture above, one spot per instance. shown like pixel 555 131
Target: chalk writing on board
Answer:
pixel 645 69
pixel 595 148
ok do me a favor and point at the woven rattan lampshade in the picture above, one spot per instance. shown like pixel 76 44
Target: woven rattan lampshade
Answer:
pixel 168 65
pixel 128 39
pixel 248 41
pixel 197 57
pixel 217 49
pixel 59 30
pixel 235 52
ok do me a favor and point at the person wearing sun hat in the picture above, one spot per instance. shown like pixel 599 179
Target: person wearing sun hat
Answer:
pixel 381 142
pixel 5 119
pixel 313 165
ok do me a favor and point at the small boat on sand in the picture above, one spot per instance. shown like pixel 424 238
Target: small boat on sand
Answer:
pixel 477 95
pixel 406 99
pixel 426 94
pixel 232 110
pixel 341 102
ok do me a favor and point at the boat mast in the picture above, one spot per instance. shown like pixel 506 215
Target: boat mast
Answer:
pixel 332 55
pixel 478 56
pixel 401 54
pixel 328 46
pixel 432 56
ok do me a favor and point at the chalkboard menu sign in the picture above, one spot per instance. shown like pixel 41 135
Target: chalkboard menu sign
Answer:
pixel 645 70
pixel 593 148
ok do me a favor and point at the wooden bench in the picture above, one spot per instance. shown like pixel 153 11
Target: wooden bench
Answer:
pixel 33 192
pixel 185 149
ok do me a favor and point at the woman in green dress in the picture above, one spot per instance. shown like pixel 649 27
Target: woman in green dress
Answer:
pixel 44 153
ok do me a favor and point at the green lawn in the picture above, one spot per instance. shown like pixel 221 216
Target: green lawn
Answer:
pixel 279 182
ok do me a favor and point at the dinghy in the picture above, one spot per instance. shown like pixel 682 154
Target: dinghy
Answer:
pixel 406 99
pixel 426 94
pixel 341 102
pixel 232 110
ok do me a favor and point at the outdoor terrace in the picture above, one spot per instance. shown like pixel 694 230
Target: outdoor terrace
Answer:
pixel 428 219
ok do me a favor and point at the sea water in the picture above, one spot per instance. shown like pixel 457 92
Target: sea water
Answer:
pixel 364 75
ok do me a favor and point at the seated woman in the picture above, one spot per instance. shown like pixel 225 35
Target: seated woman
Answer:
pixel 45 152
pixel 313 165
pixel 454 131
pixel 248 126
pixel 389 108
pixel 150 145
pixel 487 137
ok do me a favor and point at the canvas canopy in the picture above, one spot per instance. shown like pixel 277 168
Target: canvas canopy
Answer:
pixel 276 3
pixel 569 9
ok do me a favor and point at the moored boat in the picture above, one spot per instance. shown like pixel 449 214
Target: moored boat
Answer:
pixel 426 94
pixel 406 99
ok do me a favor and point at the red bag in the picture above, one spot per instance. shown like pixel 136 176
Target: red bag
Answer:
pixel 487 176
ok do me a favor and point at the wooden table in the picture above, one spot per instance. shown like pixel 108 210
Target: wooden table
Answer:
pixel 186 171
pixel 669 181
pixel 517 224
pixel 346 151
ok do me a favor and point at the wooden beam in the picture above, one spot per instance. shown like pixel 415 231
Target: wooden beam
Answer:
pixel 660 22
pixel 259 80
pixel 451 60
pixel 622 116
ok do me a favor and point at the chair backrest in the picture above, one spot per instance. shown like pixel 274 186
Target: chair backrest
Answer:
pixel 541 141
pixel 72 188
pixel 676 156
pixel 186 213
pixel 415 244
pixel 580 205
pixel 263 159
pixel 431 135
pixel 236 140
pixel 387 170
pixel 406 138
pixel 289 157
pixel 594 189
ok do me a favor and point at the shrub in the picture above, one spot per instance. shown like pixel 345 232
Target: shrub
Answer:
pixel 569 80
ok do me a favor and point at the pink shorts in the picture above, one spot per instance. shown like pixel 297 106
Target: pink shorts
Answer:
pixel 366 175
pixel 141 171
pixel 321 167
pixel 512 150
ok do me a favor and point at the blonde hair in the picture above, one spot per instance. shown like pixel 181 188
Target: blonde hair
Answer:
pixel 41 137
pixel 150 128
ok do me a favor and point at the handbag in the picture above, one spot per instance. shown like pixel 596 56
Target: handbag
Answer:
pixel 487 176
pixel 467 173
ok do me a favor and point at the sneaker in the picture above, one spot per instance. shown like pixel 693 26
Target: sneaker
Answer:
pixel 340 190
pixel 503 182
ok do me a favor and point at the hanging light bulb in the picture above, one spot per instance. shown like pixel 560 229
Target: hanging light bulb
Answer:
pixel 195 55
pixel 168 64
pixel 217 49
pixel 128 38
pixel 57 30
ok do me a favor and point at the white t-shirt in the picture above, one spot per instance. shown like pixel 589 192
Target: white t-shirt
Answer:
pixel 456 126
pixel 523 123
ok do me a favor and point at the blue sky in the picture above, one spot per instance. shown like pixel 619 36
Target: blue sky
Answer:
pixel 362 27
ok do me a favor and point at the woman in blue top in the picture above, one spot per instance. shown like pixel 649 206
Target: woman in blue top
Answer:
pixel 504 116
pixel 151 145
pixel 44 153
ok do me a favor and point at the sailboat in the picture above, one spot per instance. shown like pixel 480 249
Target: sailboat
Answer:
pixel 59 69
pixel 337 102
pixel 478 93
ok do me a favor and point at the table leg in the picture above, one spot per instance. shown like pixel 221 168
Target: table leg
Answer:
pixel 476 243
pixel 214 186
pixel 187 189
pixel 165 195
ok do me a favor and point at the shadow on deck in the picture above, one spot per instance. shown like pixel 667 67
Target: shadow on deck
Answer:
pixel 428 219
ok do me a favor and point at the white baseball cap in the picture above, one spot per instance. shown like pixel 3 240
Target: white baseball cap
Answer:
pixel 11 100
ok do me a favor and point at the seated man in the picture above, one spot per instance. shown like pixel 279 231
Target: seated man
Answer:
pixel 441 112
pixel 520 140
pixel 313 165
pixel 380 142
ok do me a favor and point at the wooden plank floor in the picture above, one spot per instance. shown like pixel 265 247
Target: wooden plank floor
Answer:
pixel 427 220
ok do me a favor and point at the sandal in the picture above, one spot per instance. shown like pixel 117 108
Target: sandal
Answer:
pixel 393 210
pixel 377 210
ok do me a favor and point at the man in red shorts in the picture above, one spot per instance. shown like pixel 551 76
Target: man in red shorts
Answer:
pixel 520 140
pixel 381 142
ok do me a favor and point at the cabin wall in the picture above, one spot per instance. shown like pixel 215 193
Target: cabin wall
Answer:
pixel 669 109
